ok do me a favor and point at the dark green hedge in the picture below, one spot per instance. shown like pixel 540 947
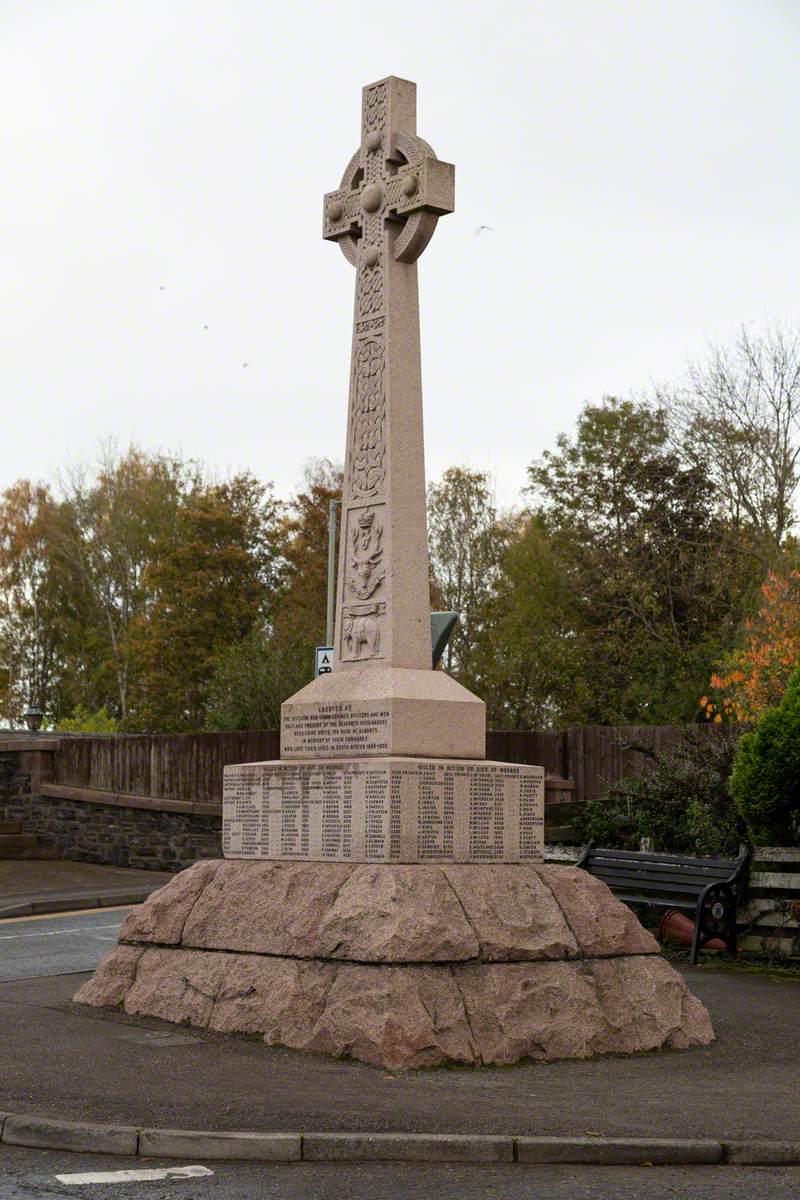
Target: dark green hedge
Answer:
pixel 765 782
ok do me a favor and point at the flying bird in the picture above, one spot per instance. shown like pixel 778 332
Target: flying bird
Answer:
pixel 205 327
pixel 481 228
pixel 245 364
pixel 161 289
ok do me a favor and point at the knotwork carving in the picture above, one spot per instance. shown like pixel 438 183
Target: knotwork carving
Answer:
pixel 371 326
pixel 366 569
pixel 367 466
pixel 375 107
pixel 370 290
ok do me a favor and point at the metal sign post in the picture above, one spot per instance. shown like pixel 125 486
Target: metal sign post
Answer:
pixel 323 663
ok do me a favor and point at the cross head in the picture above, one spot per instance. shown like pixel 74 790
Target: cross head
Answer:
pixel 394 188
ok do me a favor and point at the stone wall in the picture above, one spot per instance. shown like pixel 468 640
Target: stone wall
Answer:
pixel 123 837
pixel 15 786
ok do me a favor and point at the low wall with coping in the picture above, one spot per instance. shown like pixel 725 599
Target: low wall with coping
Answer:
pixel 124 835
pixel 91 825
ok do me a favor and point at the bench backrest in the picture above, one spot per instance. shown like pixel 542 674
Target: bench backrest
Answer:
pixel 656 874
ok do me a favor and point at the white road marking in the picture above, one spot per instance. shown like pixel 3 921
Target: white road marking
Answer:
pixel 5 937
pixel 135 1176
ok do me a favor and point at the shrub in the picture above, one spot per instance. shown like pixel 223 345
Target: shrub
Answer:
pixel 682 803
pixel 84 721
pixel 765 782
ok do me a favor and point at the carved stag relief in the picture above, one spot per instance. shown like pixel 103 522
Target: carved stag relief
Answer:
pixel 366 569
pixel 361 631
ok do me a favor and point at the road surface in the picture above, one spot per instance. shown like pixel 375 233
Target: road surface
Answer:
pixel 31 1175
pixel 32 947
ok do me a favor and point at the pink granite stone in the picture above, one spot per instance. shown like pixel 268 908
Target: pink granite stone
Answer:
pixel 602 925
pixel 647 1005
pixel 176 985
pixel 396 914
pixel 163 915
pixel 385 912
pixel 112 980
pixel 513 914
pixel 402 966
pixel 541 1011
pixel 395 1017
pixel 265 907
pixel 402 1017
pixel 282 998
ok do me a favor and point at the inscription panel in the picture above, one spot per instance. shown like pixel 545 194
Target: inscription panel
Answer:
pixel 395 810
pixel 337 730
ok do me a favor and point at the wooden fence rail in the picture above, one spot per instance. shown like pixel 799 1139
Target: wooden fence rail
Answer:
pixel 188 766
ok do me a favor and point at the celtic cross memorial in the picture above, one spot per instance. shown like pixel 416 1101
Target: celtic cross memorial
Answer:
pixel 393 191
pixel 383 759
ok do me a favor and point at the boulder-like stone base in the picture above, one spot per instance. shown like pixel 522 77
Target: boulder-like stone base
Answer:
pixel 401 966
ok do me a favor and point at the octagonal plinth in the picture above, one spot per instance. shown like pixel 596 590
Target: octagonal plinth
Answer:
pixel 380 711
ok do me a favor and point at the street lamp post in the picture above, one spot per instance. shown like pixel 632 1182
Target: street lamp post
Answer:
pixel 33 717
pixel 332 504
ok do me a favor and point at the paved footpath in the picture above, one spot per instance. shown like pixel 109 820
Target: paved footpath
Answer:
pixel 43 886
pixel 32 1175
pixel 65 1061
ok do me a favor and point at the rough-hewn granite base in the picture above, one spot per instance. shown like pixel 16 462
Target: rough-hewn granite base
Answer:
pixel 401 966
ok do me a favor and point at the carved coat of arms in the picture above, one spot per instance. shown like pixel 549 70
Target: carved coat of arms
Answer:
pixel 365 570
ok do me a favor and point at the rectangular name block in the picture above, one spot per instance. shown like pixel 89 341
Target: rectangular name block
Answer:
pixel 392 810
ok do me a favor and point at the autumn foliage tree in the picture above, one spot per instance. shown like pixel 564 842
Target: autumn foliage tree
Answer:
pixel 254 676
pixel 209 584
pixel 756 674
pixel 112 524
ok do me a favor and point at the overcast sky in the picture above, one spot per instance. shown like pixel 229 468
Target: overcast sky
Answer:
pixel 636 159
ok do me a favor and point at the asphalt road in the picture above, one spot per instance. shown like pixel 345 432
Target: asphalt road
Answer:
pixel 37 946
pixel 31 1175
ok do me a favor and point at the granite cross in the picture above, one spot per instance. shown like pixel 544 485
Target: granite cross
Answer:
pixel 383 215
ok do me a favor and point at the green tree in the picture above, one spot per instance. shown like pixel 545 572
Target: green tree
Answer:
pixel 645 581
pixel 532 659
pixel 739 415
pixel 466 541
pixel 31 609
pixel 299 614
pixel 681 801
pixel 112 526
pixel 253 677
pixel 251 680
pixel 83 721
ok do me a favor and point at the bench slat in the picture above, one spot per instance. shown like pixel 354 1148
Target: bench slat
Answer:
pixel 666 877
pixel 648 884
pixel 659 866
pixel 672 859
pixel 657 901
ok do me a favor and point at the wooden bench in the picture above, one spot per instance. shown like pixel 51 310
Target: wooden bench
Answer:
pixel 707 887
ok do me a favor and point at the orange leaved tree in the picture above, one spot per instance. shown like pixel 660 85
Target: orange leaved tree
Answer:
pixel 755 677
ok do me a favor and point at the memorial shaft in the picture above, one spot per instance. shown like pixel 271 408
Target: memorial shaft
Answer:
pixel 383 215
